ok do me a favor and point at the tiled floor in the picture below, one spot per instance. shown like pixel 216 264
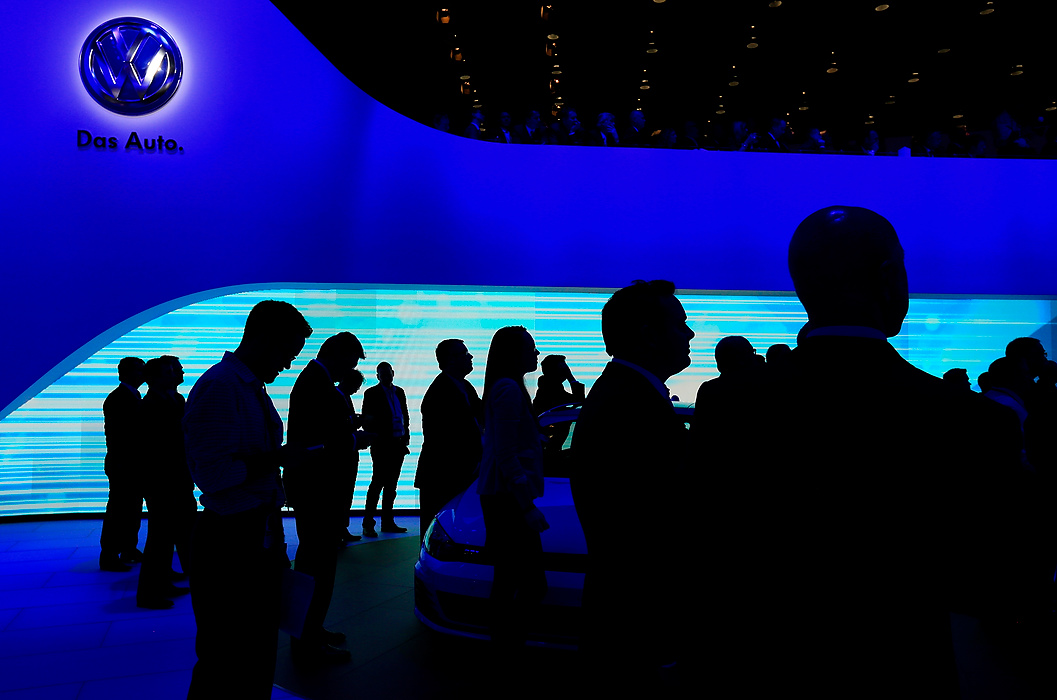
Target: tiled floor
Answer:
pixel 69 631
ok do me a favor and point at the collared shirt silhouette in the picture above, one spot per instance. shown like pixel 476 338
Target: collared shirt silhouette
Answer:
pixel 233 436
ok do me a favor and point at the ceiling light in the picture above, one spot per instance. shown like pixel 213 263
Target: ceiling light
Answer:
pixel 831 69
pixel 552 37
pixel 989 10
pixel 958 116
pixel 721 111
pixel 556 72
pixel 881 8
pixel 944 51
pixel 464 77
pixel 733 83
pixel 1017 70
pixel 775 3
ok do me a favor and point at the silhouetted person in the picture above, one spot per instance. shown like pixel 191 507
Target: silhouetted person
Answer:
pixel 316 488
pixel 531 130
pixel 568 131
pixel 510 480
pixel 871 144
pixel 233 436
pixel 984 382
pixel 441 123
pixel 1009 386
pixel 1030 356
pixel 550 392
pixel 774 138
pixel 504 132
pixel 958 377
pixel 473 129
pixel 349 386
pixel 123 464
pixel 550 387
pixel 629 438
pixel 452 420
pixel 385 415
pixel 732 396
pixel 777 355
pixel 635 134
pixel 883 498
pixel 604 132
pixel 168 488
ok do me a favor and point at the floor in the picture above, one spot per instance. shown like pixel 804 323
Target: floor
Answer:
pixel 69 631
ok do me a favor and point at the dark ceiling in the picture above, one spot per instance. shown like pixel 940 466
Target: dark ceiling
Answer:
pixel 400 53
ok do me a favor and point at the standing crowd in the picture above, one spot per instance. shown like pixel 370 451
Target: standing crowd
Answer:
pixel 845 502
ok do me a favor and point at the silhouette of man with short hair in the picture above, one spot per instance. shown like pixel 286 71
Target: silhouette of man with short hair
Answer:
pixel 320 421
pixel 233 437
pixel 168 487
pixel 123 464
pixel 452 418
pixel 385 415
pixel 882 498
pixel 628 437
pixel 958 377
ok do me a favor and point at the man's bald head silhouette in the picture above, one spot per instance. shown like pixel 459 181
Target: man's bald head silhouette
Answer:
pixel 847 268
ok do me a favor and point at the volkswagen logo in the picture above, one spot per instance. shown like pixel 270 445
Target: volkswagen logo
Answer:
pixel 130 65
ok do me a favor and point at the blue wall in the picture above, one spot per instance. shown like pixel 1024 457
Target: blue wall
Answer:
pixel 291 175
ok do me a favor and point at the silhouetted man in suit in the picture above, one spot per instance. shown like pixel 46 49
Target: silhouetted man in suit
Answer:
pixel 733 391
pixel 385 415
pixel 451 432
pixel 320 420
pixel 844 532
pixel 123 425
pixel 168 488
pixel 233 436
pixel 629 436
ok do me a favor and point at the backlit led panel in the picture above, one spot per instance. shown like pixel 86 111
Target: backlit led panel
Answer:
pixel 52 447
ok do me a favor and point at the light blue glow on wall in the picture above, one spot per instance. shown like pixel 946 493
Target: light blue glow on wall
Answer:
pixel 51 449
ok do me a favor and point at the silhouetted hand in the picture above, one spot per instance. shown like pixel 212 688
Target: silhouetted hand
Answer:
pixel 536 521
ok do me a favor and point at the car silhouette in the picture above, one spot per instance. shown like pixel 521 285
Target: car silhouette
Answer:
pixel 453 574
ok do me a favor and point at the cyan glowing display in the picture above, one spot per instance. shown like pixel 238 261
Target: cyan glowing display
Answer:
pixel 51 448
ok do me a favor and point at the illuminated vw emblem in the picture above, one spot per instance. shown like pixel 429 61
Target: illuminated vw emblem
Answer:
pixel 130 65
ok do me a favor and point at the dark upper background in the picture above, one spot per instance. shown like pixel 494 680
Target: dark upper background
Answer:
pixel 400 54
